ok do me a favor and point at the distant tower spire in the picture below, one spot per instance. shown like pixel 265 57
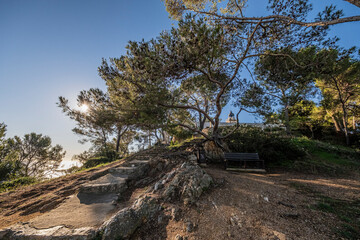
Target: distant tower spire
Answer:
pixel 231 118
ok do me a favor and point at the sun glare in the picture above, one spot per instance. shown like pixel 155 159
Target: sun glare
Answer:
pixel 84 108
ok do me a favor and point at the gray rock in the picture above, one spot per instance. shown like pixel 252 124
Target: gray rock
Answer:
pixel 123 224
pixel 158 185
pixel 109 183
pixel 175 213
pixel 178 237
pixel 192 158
pixel 189 182
pixel 25 231
pixel 189 227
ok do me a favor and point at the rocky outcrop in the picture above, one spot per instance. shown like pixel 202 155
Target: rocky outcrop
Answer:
pixel 25 231
pixel 124 223
pixel 186 183
pixel 80 216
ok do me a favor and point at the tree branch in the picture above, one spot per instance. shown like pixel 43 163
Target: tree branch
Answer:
pixel 281 18
pixel 194 130
pixel 188 107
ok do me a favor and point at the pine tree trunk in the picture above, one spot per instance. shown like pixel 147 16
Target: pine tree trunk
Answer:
pixel 118 141
pixel 287 120
pixel 354 123
pixel 336 125
pixel 345 116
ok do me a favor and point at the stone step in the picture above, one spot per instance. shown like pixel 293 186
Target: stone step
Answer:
pixel 137 162
pixel 142 157
pixel 111 182
pixel 140 167
pixel 123 170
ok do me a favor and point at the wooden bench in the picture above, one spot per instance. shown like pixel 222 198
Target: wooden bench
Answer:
pixel 249 162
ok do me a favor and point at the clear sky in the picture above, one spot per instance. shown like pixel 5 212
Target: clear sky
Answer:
pixel 51 48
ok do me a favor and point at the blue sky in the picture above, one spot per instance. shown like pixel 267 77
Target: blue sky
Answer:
pixel 51 48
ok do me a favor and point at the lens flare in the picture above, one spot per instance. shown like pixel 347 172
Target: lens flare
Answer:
pixel 84 108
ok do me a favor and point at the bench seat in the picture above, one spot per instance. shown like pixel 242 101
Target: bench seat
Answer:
pixel 244 162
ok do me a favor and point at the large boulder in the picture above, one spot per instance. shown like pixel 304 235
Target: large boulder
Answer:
pixel 186 183
pixel 124 223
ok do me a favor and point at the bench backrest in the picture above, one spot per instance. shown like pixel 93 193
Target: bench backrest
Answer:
pixel 242 156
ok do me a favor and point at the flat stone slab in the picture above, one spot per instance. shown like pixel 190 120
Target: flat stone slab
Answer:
pixel 123 170
pixel 79 211
pixel 24 231
pixel 111 182
pixel 256 170
pixel 137 162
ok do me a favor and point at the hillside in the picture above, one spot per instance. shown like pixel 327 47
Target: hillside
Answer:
pixel 165 195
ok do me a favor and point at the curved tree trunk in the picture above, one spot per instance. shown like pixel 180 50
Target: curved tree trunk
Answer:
pixel 336 124
pixel 118 138
pixel 354 123
pixel 354 2
pixel 346 131
pixel 287 120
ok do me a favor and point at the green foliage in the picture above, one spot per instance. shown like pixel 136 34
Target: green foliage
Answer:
pixel 296 153
pixel 173 79
pixel 8 169
pixel 35 154
pixel 93 162
pixel 100 122
pixel 95 157
pixel 339 83
pixel 327 158
pixel 30 156
pixel 179 134
pixel 284 78
pixel 9 166
pixel 272 147
pixel 18 182
pixel 315 146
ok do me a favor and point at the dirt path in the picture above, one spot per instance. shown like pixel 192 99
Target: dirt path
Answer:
pixel 265 206
pixel 240 206
pixel 26 203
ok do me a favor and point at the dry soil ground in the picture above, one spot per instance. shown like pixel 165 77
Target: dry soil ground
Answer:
pixel 262 206
pixel 239 206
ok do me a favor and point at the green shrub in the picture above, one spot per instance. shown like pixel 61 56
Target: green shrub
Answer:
pixel 272 147
pixel 22 181
pixel 93 162
pixel 8 168
pixel 315 146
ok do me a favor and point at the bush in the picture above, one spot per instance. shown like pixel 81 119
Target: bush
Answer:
pixel 22 181
pixel 315 145
pixel 272 147
pixel 8 168
pixel 93 162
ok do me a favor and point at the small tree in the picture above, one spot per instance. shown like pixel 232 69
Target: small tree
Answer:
pixel 35 154
pixel 174 73
pixel 340 86
pixel 199 92
pixel 284 78
pixel 8 162
pixel 96 120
